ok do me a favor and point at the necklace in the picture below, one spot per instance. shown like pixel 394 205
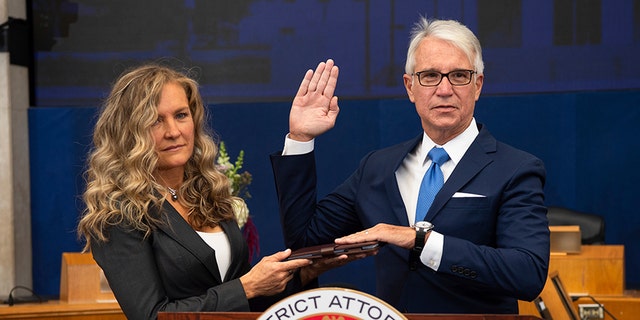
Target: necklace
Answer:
pixel 174 194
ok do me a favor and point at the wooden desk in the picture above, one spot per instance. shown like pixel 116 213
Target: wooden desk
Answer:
pixel 596 270
pixel 255 315
pixel 63 310
pixel 625 307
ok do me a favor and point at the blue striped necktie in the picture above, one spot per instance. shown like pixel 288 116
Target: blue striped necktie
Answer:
pixel 431 182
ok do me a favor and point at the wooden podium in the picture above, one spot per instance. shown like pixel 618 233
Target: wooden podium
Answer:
pixel 325 303
pixel 82 280
pixel 596 270
pixel 255 315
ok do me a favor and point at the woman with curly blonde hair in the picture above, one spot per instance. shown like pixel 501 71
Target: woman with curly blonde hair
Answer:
pixel 159 217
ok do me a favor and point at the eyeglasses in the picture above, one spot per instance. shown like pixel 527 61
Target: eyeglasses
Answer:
pixel 430 78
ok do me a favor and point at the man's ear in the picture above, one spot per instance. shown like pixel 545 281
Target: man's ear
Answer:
pixel 479 82
pixel 408 85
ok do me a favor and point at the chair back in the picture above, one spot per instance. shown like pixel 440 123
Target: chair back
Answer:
pixel 591 225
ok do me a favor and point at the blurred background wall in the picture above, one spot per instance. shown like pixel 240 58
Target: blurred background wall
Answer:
pixel 561 81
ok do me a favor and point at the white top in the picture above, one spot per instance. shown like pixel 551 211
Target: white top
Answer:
pixel 219 242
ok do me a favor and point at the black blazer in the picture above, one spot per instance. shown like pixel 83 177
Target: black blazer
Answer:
pixel 174 269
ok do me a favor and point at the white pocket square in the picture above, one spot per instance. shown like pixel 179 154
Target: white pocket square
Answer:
pixel 467 195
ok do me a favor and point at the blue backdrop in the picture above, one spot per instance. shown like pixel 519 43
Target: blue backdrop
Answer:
pixel 257 50
pixel 588 141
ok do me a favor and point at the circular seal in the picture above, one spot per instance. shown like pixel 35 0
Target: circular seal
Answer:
pixel 331 304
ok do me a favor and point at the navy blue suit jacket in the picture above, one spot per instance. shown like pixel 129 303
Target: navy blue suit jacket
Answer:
pixel 496 247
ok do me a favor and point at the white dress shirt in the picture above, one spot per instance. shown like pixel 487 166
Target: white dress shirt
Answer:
pixel 409 176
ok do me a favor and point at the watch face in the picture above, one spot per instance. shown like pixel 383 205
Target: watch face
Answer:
pixel 423 225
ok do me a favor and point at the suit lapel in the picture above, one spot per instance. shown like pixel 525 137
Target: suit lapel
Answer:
pixel 180 231
pixel 391 182
pixel 239 251
pixel 474 160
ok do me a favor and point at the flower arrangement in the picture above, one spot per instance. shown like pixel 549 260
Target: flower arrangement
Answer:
pixel 238 184
pixel 239 181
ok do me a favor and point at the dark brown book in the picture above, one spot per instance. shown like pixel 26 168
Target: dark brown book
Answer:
pixel 333 250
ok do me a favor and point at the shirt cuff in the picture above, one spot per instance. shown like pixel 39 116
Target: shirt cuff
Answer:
pixel 431 255
pixel 293 147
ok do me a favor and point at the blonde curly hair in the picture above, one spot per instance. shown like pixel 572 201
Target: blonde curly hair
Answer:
pixel 121 187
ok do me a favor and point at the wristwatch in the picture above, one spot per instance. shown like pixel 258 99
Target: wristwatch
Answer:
pixel 421 227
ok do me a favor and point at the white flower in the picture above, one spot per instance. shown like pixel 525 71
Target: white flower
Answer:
pixel 238 182
pixel 241 211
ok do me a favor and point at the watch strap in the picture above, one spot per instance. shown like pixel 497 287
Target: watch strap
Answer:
pixel 414 256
